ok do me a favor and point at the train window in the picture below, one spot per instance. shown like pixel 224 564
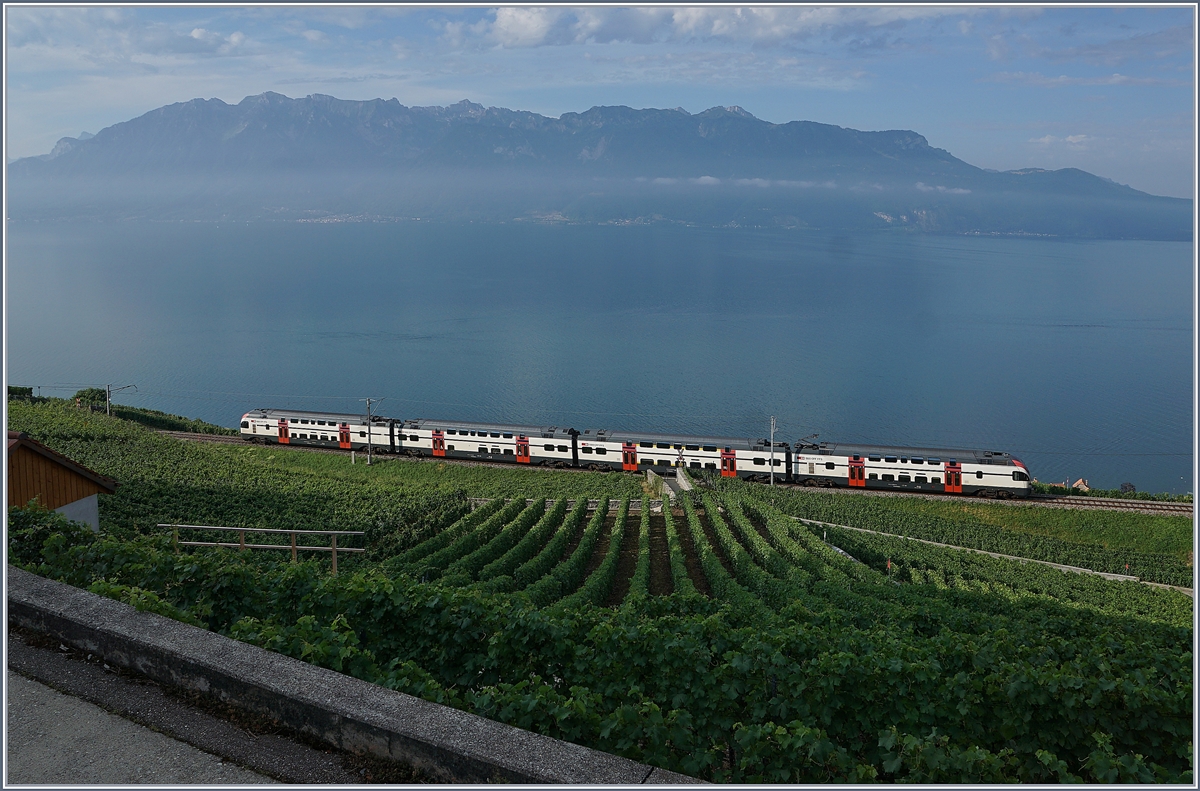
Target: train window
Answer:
pixel 904 479
pixel 508 436
pixel 691 447
pixel 934 461
pixel 873 476
pixel 482 449
pixel 904 460
pixel 664 445
pixel 710 449
pixel 952 461
pixel 495 433
pixel 978 473
pixel 856 457
pixel 812 468
pixel 449 447
pixel 646 444
pixel 695 465
pixel 921 479
pixel 413 438
pixel 496 450
pixel 677 446
pixel 776 463
pixel 830 465
pixel 245 424
pixel 320 422
pixel 362 433
pixel 547 447
pixel 890 459
pixel 586 449
pixel 874 458
pixel 663 462
pixel 916 460
pixel 1019 476
pixel 759 460
pixel 451 431
pixel 562 448
pixel 508 451
pixel 710 465
pixel 935 479
pixel 888 477
pixel 601 451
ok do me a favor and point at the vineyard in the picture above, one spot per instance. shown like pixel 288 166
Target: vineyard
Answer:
pixel 719 637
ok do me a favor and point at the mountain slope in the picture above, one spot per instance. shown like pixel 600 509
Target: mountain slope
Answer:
pixel 270 155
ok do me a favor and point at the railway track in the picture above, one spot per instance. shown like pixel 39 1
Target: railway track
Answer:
pixel 1047 501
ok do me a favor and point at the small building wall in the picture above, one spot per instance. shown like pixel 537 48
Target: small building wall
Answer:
pixel 86 510
pixel 32 475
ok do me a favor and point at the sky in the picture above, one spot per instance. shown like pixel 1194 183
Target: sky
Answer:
pixel 1108 90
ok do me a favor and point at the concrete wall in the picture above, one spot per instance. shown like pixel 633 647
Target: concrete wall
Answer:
pixel 353 715
pixel 86 510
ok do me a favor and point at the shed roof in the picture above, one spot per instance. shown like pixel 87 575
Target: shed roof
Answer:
pixel 18 439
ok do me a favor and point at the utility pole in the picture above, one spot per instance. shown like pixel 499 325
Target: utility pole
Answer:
pixel 108 391
pixel 370 454
pixel 772 450
pixel 368 431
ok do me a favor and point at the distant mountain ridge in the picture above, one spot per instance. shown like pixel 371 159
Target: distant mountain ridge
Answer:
pixel 337 156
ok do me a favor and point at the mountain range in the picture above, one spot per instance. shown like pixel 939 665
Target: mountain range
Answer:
pixel 272 157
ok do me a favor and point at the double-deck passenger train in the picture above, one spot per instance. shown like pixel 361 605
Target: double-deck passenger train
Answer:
pixel 954 471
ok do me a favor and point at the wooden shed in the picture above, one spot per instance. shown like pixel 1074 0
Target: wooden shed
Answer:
pixel 56 482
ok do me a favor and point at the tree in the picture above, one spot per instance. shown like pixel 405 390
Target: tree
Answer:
pixel 1128 488
pixel 91 396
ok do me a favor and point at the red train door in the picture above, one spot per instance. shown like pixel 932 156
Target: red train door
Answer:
pixel 858 472
pixel 344 436
pixel 439 443
pixel 953 477
pixel 283 432
pixel 728 464
pixel 522 449
pixel 629 457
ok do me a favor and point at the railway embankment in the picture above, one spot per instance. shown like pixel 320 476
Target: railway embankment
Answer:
pixel 443 743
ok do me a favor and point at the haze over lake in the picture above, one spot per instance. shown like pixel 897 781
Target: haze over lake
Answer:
pixel 1076 356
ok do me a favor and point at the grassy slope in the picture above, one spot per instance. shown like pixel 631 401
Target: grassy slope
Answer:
pixel 168 480
pixel 1110 529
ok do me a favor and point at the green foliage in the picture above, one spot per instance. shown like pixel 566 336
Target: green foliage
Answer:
pixel 679 577
pixel 806 666
pixel 164 421
pixel 32 527
pixel 1059 535
pixel 566 576
pixel 1123 492
pixel 469 567
pixel 529 545
pixel 639 585
pixel 91 396
pixel 597 586
pixel 534 569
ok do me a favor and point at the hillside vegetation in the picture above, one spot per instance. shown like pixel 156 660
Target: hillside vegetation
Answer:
pixel 722 638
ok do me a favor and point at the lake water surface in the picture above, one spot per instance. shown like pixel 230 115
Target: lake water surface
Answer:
pixel 1076 356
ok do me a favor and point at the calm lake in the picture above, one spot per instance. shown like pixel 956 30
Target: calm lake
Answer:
pixel 1076 356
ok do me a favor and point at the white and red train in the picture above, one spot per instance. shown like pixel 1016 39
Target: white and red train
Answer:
pixel 943 470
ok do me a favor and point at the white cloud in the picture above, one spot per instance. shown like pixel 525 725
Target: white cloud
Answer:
pixel 1042 81
pixel 705 180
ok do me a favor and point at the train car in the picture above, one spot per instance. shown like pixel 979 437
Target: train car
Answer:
pixel 982 473
pixel 734 457
pixel 459 439
pixel 319 429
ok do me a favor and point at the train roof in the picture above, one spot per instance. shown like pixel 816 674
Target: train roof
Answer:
pixel 736 443
pixel 959 454
pixel 310 413
pixel 504 428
